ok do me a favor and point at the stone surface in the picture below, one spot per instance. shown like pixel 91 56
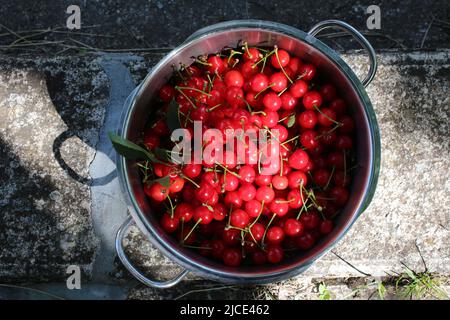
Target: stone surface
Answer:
pixel 50 117
pixel 55 112
pixel 156 24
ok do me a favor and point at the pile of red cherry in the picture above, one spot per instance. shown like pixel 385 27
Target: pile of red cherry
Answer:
pixel 231 212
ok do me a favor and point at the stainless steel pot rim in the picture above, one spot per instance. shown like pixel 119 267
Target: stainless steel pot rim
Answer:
pixel 238 276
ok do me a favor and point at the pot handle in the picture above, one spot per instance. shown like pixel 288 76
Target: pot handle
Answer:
pixel 358 36
pixel 132 269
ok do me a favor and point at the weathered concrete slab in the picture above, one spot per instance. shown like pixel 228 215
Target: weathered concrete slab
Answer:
pixel 50 117
pixel 55 200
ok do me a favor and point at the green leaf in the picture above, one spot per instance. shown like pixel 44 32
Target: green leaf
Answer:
pixel 381 290
pixel 324 293
pixel 173 120
pixel 130 150
pixel 291 120
pixel 164 181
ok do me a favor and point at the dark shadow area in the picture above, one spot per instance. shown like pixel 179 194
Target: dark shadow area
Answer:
pixel 30 229
pixel 134 25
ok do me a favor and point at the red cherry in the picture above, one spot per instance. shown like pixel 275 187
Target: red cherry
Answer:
pixel 288 101
pixel 296 179
pixel 160 128
pixel 272 101
pixel 312 99
pixel 234 78
pixel 167 93
pixel 280 182
pixel 151 140
pixel 340 195
pixel 239 218
pixel 184 211
pixel 282 133
pixel 263 180
pixel 307 71
pixel 232 198
pixel 338 106
pixel 298 88
pixel 204 193
pixel 321 177
pixel 232 257
pixel 310 220
pixel 278 81
pixel 281 59
pixel 259 257
pixel 265 194
pixel 341 179
pixel 259 82
pixel 344 142
pixel 307 119
pixel 279 206
pixel 295 198
pixel 336 159
pixel 326 117
pixel 235 97
pixel 170 225
pixel 293 228
pixel 270 119
pixel 257 230
pixel 220 211
pixel 191 170
pixel 247 191
pixel 248 70
pixel 251 54
pixel 216 65
pixel 306 241
pixel 176 184
pixel 204 214
pixel 298 160
pixel 326 226
pixel 275 235
pixel 328 92
pixel 253 208
pixel 231 237
pixel 294 64
pixel 156 191
pixel 347 124
pixel 274 254
pixel 309 139
pixel 247 174
pixel 229 182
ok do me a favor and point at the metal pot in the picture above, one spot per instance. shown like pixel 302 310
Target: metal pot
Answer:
pixel 307 47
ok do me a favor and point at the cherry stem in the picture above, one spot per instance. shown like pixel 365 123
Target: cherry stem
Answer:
pixel 190 232
pixel 279 62
pixel 289 140
pixel 194 89
pixel 228 170
pixel 268 87
pixel 171 206
pixel 267 228
pixel 190 180
pixel 329 179
pixel 199 61
pixel 259 112
pixel 214 107
pixel 334 121
pixel 187 98
pixel 282 119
